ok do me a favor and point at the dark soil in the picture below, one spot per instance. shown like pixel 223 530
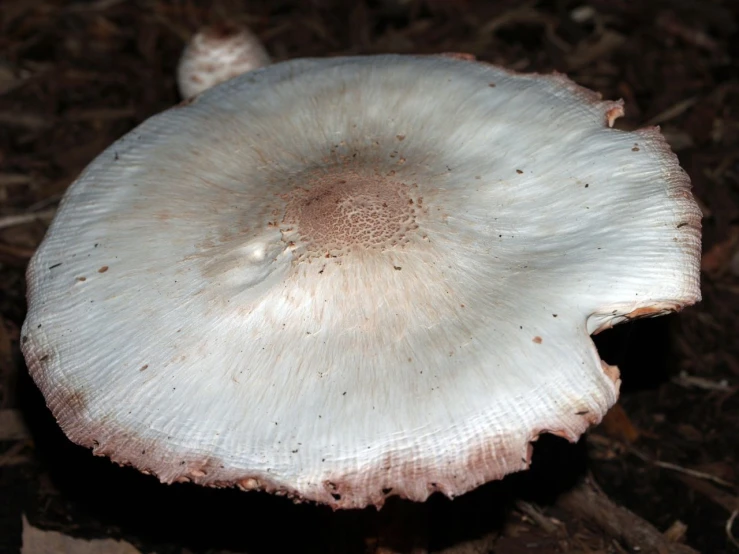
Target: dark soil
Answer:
pixel 75 76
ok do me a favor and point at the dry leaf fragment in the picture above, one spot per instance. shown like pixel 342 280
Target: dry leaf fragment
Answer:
pixel 616 424
pixel 38 541
pixel 12 426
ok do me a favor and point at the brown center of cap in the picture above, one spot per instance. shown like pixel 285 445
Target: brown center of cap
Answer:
pixel 338 209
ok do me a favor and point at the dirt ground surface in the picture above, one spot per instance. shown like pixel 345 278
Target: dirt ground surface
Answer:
pixel 75 76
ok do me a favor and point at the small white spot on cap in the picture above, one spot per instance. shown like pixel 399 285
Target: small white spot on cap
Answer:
pixel 256 252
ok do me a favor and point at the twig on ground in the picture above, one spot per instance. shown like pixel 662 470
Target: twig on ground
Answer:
pixel 673 111
pixel 588 502
pixel 14 455
pixel 21 219
pixel 548 524
pixel 13 179
pixel 20 254
pixel 730 525
pixel 720 497
pixel 679 469
pixel 692 381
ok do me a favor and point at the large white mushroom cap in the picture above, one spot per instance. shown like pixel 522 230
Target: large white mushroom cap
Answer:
pixel 349 278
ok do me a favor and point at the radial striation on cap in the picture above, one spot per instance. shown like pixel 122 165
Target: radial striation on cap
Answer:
pixel 350 278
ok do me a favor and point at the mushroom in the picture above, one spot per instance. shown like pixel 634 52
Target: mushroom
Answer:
pixel 216 54
pixel 349 278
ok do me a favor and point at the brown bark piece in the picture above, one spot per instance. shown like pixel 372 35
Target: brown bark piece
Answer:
pixel 588 502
